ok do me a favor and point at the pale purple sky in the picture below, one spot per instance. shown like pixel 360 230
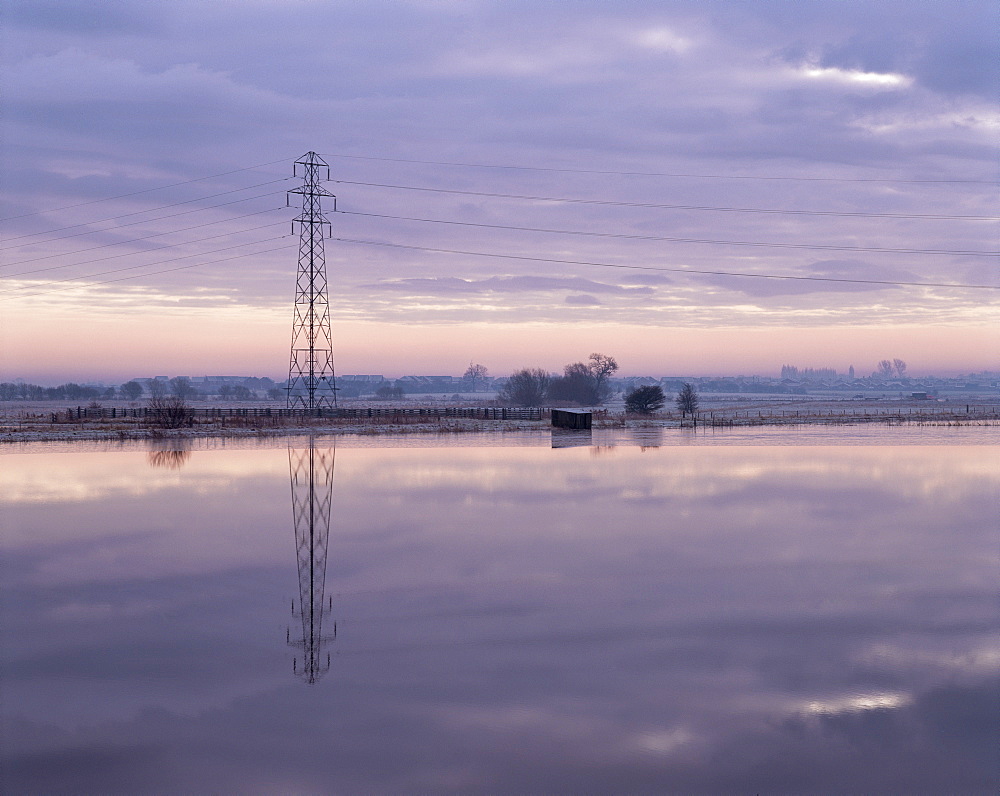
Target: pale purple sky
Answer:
pixel 884 113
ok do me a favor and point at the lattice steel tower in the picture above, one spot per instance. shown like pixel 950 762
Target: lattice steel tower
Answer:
pixel 311 380
pixel 311 475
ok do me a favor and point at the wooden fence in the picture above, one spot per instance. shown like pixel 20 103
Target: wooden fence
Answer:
pixel 717 417
pixel 888 414
pixel 219 412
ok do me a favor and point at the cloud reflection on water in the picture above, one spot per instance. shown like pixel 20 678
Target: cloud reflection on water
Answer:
pixel 516 620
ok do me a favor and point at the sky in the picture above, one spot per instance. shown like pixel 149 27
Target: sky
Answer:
pixel 677 184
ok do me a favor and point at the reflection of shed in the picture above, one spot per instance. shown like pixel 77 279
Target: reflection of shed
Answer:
pixel 571 418
pixel 572 438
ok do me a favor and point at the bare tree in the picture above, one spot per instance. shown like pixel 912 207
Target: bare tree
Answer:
pixel 169 411
pixel 476 374
pixel 181 387
pixel 603 367
pixel 900 367
pixel 885 369
pixel 585 383
pixel 130 390
pixel 526 387
pixel 645 400
pixel 158 388
pixel 687 400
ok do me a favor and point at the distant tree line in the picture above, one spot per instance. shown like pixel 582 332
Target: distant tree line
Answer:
pixel 583 383
pixel 807 374
pixel 64 392
pixel 887 370
pixel 179 387
pixel 589 384
pixel 389 391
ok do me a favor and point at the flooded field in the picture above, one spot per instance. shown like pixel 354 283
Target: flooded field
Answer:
pixel 772 610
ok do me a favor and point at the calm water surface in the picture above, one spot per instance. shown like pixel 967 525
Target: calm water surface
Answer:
pixel 772 611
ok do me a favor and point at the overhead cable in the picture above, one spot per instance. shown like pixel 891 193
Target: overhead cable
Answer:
pixel 144 237
pixel 149 210
pixel 18 294
pixel 146 251
pixel 886 282
pixel 658 206
pixel 649 173
pixel 145 190
pixel 621 235
pixel 143 221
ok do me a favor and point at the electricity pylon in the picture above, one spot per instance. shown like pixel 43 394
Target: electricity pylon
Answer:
pixel 311 475
pixel 311 380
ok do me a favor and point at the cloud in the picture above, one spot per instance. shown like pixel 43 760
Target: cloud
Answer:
pixel 91 96
pixel 875 80
pixel 107 19
pixel 600 99
pixel 583 300
pixel 820 270
pixel 505 284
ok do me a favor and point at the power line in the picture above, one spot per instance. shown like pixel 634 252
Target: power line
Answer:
pixel 148 210
pixel 145 190
pixel 497 255
pixel 654 205
pixel 606 172
pixel 652 173
pixel 141 221
pixel 135 267
pixel 144 237
pixel 155 273
pixel 17 293
pixel 821 247
pixel 136 254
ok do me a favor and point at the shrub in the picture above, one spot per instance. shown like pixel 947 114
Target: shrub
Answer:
pixel 645 400
pixel 169 411
pixel 387 391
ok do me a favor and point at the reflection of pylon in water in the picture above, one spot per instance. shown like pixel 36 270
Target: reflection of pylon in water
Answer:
pixel 311 474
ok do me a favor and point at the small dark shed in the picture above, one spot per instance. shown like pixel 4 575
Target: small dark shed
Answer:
pixel 571 418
